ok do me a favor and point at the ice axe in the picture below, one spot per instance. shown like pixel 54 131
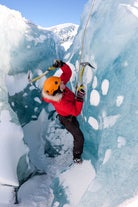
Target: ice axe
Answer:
pixel 81 72
pixel 84 64
pixel 40 76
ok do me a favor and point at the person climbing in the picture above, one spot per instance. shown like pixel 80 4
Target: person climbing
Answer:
pixel 67 105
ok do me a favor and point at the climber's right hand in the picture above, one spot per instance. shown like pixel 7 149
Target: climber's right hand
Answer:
pixel 58 63
pixel 80 93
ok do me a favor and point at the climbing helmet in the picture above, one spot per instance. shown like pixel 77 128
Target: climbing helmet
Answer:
pixel 52 85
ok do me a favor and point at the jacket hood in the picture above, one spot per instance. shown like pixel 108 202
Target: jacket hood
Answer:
pixel 56 98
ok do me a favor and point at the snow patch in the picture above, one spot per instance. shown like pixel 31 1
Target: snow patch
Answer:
pixel 105 86
pixel 109 121
pixel 136 3
pixel 133 202
pixel 6 194
pixel 88 75
pixel 125 64
pixel 119 100
pixel 132 9
pixel 94 84
pixel 11 149
pixel 107 155
pixel 94 98
pixel 37 99
pixel 75 190
pixel 121 141
pixel 93 122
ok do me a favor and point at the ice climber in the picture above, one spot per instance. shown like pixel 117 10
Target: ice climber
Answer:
pixel 67 105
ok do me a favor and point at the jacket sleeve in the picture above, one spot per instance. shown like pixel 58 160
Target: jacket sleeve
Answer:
pixel 66 73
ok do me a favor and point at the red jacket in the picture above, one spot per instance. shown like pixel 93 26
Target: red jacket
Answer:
pixel 68 105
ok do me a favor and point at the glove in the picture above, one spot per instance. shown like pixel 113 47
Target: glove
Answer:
pixel 58 63
pixel 80 94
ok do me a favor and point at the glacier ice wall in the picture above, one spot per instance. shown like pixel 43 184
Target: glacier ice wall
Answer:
pixel 24 46
pixel 110 113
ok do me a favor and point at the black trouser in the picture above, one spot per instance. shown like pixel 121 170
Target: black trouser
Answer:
pixel 72 125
